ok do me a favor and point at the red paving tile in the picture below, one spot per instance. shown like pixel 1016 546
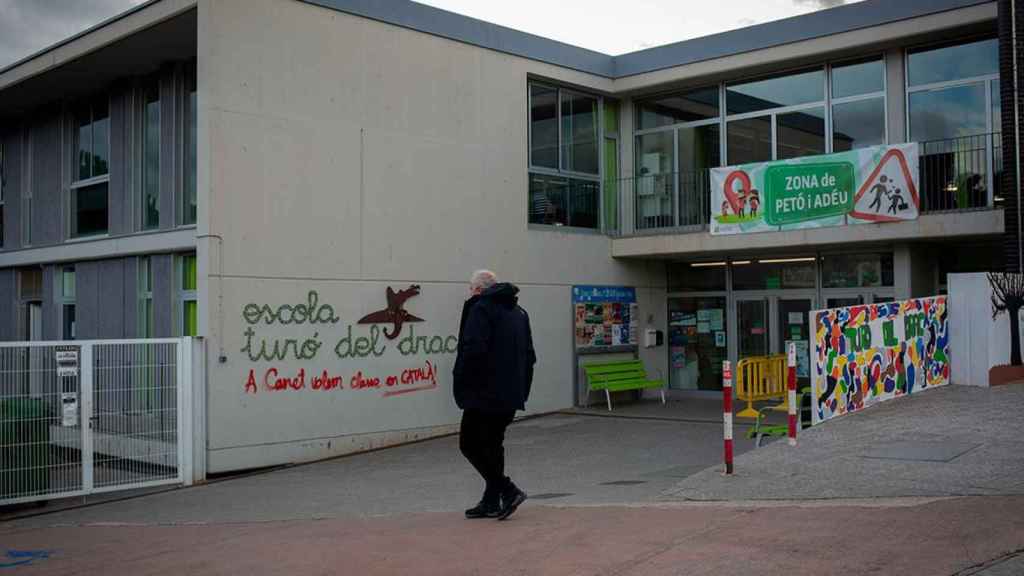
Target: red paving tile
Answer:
pixel 940 537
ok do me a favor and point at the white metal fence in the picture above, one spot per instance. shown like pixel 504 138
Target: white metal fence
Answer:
pixel 81 417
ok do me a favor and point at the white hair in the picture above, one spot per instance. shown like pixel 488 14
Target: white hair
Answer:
pixel 482 280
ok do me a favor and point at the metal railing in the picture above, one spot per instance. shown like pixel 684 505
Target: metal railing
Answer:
pixel 80 417
pixel 959 174
pixel 670 200
pixel 955 174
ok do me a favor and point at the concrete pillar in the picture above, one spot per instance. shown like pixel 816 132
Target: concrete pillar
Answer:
pixel 914 272
pixel 895 96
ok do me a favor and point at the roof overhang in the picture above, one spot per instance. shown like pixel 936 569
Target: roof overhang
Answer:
pixel 134 43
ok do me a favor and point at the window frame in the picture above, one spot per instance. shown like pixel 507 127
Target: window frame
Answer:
pixel 64 301
pixel 190 144
pixel 883 95
pixel 183 295
pixel 77 183
pixel 826 105
pixel 559 172
pixel 145 295
pixel 143 89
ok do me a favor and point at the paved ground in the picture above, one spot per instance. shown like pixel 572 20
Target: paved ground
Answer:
pixel 951 441
pixel 611 496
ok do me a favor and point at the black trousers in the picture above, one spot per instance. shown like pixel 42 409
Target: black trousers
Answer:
pixel 481 439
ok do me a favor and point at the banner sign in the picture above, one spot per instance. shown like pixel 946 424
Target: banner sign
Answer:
pixel 605 316
pixel 623 294
pixel 875 352
pixel 867 185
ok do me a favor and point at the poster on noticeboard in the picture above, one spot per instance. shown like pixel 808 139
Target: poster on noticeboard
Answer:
pixel 605 316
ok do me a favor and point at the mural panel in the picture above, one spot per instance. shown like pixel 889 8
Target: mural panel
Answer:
pixel 871 353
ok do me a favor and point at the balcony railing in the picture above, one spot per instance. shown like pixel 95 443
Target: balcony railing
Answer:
pixel 955 174
pixel 960 173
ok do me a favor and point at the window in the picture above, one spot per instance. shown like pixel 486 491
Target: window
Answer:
pixel 151 157
pixel 773 274
pixel 777 92
pixel 690 106
pixel 697 277
pixel 189 307
pixel 858 104
pixel 88 201
pixel 952 91
pixel 800 133
pixel 566 144
pixel 949 90
pixel 146 324
pixel 749 140
pixel 679 138
pixel 776 118
pixel 579 132
pixel 188 199
pixel 856 270
pixel 66 299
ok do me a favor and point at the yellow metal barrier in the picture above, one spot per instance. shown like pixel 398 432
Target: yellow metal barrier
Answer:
pixel 760 378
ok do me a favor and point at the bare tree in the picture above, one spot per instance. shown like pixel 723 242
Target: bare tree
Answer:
pixel 1008 296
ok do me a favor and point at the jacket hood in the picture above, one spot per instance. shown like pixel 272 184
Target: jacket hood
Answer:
pixel 503 293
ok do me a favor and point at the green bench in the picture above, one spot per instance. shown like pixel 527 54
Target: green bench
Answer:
pixel 618 377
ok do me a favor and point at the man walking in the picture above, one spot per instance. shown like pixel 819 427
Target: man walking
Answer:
pixel 492 378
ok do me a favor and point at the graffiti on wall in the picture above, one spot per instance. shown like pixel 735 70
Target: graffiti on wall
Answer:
pixel 870 353
pixel 321 325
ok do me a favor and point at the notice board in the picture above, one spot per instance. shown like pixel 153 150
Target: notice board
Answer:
pixel 604 316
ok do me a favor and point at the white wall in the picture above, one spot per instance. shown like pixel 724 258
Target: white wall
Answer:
pixel 977 341
pixel 343 155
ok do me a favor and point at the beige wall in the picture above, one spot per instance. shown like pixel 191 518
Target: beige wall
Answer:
pixel 343 155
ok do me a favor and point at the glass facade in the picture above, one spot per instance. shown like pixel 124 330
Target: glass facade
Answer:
pixel 189 198
pixel 696 105
pixel 565 153
pixel 88 197
pixel 579 133
pixel 749 140
pixel 776 92
pixel 697 342
pixel 151 158
pixel 856 270
pixel 858 124
pixel 800 133
pixel 952 93
pixel 89 210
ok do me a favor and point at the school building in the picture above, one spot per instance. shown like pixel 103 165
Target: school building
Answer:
pixel 306 186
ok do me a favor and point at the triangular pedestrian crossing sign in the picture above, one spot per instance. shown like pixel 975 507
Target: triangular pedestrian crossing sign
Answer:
pixel 889 194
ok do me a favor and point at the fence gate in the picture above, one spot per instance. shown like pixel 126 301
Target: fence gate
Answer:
pixel 81 417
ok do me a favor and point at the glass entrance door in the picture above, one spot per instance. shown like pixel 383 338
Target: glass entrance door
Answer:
pixel 697 342
pixel 793 326
pixel 752 335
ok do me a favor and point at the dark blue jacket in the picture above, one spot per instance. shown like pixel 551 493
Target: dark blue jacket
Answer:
pixel 494 366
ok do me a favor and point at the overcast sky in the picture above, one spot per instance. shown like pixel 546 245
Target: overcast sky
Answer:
pixel 27 26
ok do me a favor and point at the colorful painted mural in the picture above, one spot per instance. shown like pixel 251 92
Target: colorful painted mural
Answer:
pixel 870 353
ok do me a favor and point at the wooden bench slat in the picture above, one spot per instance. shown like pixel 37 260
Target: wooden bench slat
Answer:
pixel 619 376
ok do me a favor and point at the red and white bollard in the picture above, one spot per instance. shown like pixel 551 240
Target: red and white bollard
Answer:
pixel 791 386
pixel 727 412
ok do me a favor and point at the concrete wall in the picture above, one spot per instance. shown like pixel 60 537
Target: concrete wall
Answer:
pixel 41 162
pixel 978 341
pixel 402 160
